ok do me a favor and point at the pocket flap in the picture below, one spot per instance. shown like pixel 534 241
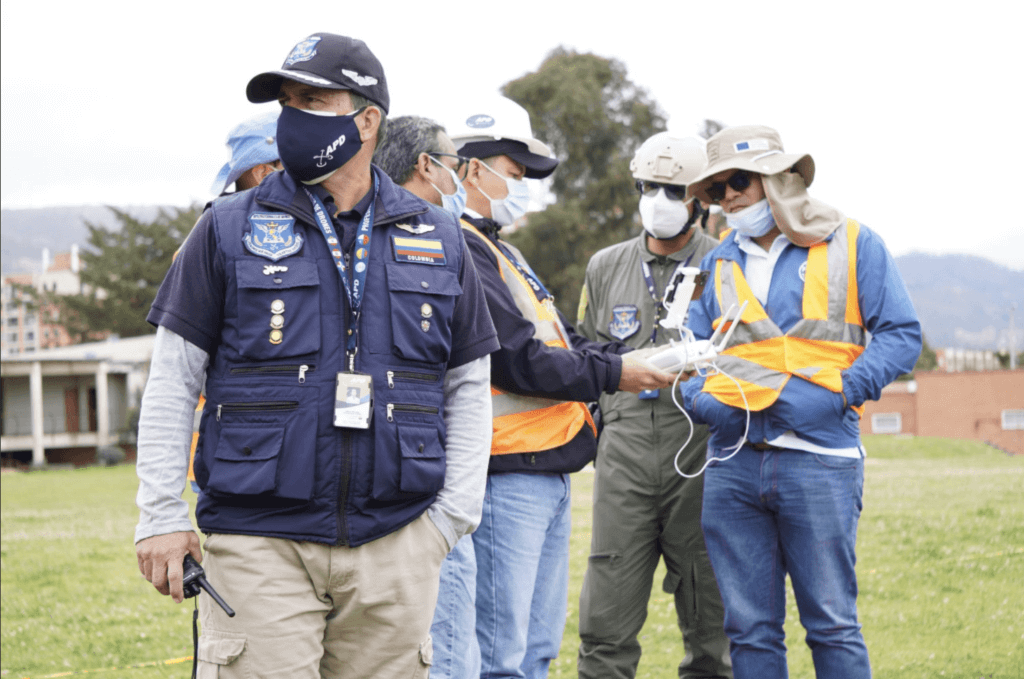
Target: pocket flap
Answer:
pixel 427 280
pixel 220 650
pixel 257 273
pixel 249 443
pixel 419 442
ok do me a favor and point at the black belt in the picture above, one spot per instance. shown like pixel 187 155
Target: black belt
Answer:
pixel 762 447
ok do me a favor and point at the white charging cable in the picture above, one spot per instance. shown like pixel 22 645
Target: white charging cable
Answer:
pixel 735 449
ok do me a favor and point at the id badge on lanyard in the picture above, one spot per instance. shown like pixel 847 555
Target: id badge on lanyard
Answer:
pixel 353 391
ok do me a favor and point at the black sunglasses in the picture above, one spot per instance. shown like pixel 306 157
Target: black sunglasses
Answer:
pixel 672 191
pixel 739 181
pixel 461 167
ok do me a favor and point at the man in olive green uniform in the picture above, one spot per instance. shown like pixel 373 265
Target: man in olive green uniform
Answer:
pixel 642 507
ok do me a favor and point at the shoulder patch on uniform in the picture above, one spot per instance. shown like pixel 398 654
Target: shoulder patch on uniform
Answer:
pixel 418 250
pixel 416 229
pixel 272 235
pixel 624 323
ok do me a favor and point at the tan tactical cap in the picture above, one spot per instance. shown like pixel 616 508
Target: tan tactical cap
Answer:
pixel 756 148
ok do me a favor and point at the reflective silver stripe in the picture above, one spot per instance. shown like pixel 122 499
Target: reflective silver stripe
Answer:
pixel 748 371
pixel 512 404
pixel 746 332
pixel 197 417
pixel 525 299
pixel 828 331
pixel 838 273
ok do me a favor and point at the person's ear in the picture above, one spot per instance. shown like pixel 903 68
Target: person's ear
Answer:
pixel 423 164
pixel 368 122
pixel 473 173
pixel 262 171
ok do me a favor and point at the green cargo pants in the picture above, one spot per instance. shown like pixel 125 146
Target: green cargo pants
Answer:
pixel 644 510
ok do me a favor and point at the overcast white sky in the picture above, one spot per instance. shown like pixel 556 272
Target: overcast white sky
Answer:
pixel 912 111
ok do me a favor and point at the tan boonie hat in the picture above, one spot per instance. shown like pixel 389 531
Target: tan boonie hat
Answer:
pixel 756 148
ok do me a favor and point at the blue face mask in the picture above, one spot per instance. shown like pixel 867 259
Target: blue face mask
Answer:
pixel 314 144
pixel 752 221
pixel 513 206
pixel 455 203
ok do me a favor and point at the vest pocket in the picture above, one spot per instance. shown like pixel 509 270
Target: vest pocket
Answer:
pixel 422 303
pixel 245 462
pixel 278 313
pixel 260 448
pixel 416 465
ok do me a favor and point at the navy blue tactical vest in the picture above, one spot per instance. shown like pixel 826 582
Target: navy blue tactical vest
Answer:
pixel 270 461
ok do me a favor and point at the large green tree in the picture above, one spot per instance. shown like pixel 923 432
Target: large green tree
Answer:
pixel 121 271
pixel 594 117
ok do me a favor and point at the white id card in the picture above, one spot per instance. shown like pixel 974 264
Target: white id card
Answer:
pixel 353 401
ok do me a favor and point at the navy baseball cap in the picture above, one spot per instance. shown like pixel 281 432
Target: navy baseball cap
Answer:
pixel 335 62
pixel 252 143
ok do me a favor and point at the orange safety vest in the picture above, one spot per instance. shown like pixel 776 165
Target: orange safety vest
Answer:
pixel 527 424
pixel 196 417
pixel 761 358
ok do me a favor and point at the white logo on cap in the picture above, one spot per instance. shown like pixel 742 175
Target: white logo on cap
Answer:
pixel 480 120
pixel 363 80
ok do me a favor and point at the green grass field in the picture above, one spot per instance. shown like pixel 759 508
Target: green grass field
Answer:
pixel 941 570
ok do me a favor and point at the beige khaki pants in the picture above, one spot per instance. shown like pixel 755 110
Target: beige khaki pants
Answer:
pixel 310 610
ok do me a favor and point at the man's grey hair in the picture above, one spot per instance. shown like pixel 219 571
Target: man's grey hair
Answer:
pixel 408 137
pixel 358 102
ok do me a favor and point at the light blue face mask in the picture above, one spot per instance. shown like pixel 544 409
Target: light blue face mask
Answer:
pixel 752 221
pixel 455 203
pixel 513 206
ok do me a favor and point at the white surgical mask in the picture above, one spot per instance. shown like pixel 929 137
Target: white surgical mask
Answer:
pixel 752 221
pixel 456 202
pixel 513 206
pixel 664 218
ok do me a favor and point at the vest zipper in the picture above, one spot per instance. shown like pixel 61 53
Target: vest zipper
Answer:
pixel 405 375
pixel 274 369
pixel 409 408
pixel 255 406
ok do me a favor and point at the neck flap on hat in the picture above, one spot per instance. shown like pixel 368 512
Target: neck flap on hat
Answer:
pixel 804 220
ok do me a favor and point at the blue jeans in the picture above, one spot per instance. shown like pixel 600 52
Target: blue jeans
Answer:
pixel 456 652
pixel 522 555
pixel 778 511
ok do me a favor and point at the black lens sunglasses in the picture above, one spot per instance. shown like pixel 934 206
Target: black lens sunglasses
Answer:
pixel 672 191
pixel 739 181
pixel 461 168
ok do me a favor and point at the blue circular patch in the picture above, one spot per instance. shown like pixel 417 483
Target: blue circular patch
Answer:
pixel 480 120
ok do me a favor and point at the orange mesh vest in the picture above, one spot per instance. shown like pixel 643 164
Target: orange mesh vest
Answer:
pixel 828 340
pixel 527 424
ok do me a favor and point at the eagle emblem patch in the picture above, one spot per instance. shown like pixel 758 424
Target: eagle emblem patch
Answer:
pixel 272 236
pixel 624 321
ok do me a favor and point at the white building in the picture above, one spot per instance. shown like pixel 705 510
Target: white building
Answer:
pixel 60 405
pixel 24 329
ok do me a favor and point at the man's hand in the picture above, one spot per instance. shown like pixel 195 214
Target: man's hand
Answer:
pixel 638 374
pixel 160 560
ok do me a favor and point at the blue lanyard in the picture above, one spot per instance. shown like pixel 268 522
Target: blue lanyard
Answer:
pixel 659 304
pixel 538 288
pixel 353 290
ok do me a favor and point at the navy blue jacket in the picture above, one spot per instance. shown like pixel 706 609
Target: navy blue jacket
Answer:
pixel 269 461
pixel 524 365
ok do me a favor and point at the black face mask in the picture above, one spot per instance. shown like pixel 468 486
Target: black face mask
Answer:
pixel 313 145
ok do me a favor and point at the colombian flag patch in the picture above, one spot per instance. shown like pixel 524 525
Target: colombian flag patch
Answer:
pixel 418 250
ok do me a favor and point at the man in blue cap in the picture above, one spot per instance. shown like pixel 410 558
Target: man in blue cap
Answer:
pixel 253 146
pixel 335 445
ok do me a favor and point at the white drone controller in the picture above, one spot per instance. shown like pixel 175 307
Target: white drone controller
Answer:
pixel 689 353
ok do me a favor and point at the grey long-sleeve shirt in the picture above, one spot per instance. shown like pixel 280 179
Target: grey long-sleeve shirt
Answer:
pixel 165 434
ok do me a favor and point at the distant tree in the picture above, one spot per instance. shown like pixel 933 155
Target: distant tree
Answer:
pixel 121 271
pixel 710 128
pixel 927 360
pixel 594 117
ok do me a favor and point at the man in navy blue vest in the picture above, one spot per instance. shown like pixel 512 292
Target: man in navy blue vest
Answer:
pixel 344 339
